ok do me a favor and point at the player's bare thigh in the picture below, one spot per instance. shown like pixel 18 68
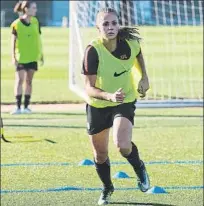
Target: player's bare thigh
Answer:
pixel 99 144
pixel 122 134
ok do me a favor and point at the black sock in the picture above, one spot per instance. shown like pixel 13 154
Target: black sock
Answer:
pixel 26 100
pixel 18 101
pixel 103 171
pixel 134 159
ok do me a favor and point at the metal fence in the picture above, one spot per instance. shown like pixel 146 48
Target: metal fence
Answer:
pixel 180 12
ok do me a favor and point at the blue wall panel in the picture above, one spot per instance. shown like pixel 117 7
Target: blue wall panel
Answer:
pixel 59 9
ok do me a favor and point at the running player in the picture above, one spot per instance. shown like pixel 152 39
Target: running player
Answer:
pixel 108 69
pixel 26 51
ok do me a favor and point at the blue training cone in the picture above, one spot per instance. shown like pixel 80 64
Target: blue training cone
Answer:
pixel 121 175
pixel 156 190
pixel 86 162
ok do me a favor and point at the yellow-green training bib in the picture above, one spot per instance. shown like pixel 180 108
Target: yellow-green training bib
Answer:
pixel 114 73
pixel 28 45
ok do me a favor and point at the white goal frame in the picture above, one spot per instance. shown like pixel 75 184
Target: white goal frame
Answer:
pixel 146 103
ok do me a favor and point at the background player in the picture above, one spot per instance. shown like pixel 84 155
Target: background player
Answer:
pixel 26 51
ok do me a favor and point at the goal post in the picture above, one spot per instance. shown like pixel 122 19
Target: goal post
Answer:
pixel 172 33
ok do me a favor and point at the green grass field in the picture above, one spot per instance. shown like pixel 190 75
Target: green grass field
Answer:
pixel 38 170
pixel 161 135
pixel 173 57
pixel 51 82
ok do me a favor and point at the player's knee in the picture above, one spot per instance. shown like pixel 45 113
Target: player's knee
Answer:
pixel 122 143
pixel 101 157
pixel 123 146
pixel 19 81
pixel 29 82
pixel 125 151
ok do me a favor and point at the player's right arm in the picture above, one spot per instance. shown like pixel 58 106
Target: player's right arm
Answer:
pixel 93 91
pixel 90 67
pixel 13 45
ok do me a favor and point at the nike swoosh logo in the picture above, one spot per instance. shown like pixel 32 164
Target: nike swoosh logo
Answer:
pixel 118 74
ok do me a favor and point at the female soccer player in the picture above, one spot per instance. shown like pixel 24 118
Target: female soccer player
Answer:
pixel 26 51
pixel 108 67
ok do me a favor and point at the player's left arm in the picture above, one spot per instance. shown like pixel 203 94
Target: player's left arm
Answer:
pixel 143 85
pixel 41 46
pixel 40 39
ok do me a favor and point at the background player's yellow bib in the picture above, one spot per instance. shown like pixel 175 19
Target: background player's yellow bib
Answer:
pixel 28 45
pixel 114 73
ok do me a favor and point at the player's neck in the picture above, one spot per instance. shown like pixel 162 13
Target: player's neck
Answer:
pixel 26 18
pixel 110 44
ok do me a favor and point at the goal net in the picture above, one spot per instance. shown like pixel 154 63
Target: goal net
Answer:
pixel 172 45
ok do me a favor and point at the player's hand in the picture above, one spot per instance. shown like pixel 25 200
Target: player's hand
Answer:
pixel 143 86
pixel 42 60
pixel 118 96
pixel 14 62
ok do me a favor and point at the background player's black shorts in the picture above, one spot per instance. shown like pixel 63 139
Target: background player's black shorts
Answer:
pixel 99 119
pixel 27 66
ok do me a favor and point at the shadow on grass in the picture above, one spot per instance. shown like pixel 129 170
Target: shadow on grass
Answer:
pixel 176 116
pixel 138 203
pixel 22 139
pixel 61 113
pixel 29 141
pixel 45 126
pixel 34 118
pixel 83 114
pixel 44 113
pixel 83 127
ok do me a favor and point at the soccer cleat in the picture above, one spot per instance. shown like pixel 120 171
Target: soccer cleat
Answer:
pixel 105 196
pixel 143 178
pixel 16 111
pixel 26 111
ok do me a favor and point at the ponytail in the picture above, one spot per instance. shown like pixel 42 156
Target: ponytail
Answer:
pixel 17 7
pixel 21 5
pixel 129 33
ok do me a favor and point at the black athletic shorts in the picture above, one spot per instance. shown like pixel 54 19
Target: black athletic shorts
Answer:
pixel 99 119
pixel 27 66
